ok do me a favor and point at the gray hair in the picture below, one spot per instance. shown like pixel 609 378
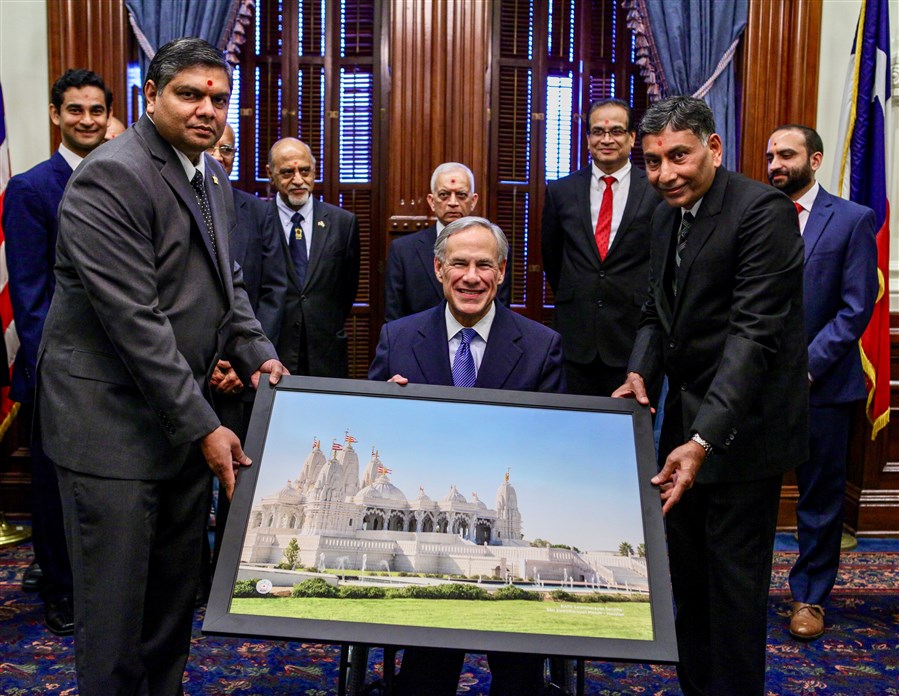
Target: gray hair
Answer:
pixel 448 167
pixel 680 113
pixel 466 223
pixel 183 53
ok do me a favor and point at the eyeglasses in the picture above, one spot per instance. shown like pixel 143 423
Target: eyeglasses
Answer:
pixel 225 150
pixel 616 132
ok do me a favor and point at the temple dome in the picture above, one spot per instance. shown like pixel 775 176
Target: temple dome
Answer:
pixel 454 496
pixel 380 491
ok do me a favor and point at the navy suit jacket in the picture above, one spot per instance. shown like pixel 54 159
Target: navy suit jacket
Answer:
pixel 256 248
pixel 840 290
pixel 316 312
pixel 411 285
pixel 30 223
pixel 598 302
pixel 521 354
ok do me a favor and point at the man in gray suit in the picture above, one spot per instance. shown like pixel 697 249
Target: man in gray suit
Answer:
pixel 146 299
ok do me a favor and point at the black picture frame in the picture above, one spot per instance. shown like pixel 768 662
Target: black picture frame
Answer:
pixel 457 432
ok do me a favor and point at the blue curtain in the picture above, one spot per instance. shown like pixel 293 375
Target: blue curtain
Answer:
pixel 156 22
pixel 691 41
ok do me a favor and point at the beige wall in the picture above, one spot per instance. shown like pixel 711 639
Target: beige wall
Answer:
pixel 23 75
pixel 838 23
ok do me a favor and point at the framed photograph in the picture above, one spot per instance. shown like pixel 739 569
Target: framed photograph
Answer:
pixel 460 518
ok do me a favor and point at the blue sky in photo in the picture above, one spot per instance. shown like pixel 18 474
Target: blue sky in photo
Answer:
pixel 574 472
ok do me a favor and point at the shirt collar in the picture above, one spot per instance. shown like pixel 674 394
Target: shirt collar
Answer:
pixel 694 210
pixel 70 157
pixel 286 212
pixel 598 173
pixel 807 200
pixel 482 327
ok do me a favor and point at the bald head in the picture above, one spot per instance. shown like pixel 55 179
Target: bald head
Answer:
pixel 224 149
pixel 291 169
pixel 114 128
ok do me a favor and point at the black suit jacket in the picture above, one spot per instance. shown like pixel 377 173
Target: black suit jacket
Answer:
pixel 256 248
pixel 315 314
pixel 598 302
pixel 732 342
pixel 411 285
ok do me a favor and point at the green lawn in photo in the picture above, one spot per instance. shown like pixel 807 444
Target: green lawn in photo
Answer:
pixel 625 620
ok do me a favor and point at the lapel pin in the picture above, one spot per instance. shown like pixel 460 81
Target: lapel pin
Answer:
pixel 321 223
pixel 215 180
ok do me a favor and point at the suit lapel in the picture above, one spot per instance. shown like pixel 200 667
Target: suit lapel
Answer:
pixel 173 172
pixel 582 193
pixel 321 238
pixel 818 217
pixel 503 352
pixel 668 218
pixel 61 170
pixel 634 198
pixel 425 252
pixel 431 349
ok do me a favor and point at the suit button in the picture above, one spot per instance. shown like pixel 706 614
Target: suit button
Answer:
pixel 602 274
pixel 303 298
pixel 671 344
pixel 599 303
pixel 683 387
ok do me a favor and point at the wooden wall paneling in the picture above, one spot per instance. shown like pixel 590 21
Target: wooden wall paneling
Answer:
pixel 438 63
pixel 92 34
pixel 780 74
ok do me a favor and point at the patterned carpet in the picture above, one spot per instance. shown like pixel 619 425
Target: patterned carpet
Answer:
pixel 859 654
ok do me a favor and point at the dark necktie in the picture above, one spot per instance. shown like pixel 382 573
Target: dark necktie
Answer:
pixel 682 234
pixel 464 372
pixel 603 231
pixel 297 245
pixel 203 201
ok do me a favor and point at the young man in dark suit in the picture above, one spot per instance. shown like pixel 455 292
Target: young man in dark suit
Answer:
pixel 840 291
pixel 470 340
pixel 321 247
pixel 80 106
pixel 724 323
pixel 410 285
pixel 595 242
pixel 146 300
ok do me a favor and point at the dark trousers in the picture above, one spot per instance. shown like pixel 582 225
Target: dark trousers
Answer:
pixel 134 555
pixel 720 541
pixel 595 378
pixel 819 512
pixel 435 672
pixel 47 529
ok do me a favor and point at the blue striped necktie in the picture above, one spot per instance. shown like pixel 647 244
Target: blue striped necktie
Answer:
pixel 464 372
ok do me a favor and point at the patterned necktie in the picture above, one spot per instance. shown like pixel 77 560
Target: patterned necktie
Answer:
pixel 297 245
pixel 681 244
pixel 203 201
pixel 464 372
pixel 604 220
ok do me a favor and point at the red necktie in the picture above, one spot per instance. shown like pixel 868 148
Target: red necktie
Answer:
pixel 604 219
pixel 799 208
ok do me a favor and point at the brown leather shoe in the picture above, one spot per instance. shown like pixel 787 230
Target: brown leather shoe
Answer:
pixel 806 621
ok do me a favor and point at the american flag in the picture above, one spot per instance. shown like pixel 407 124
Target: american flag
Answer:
pixel 861 177
pixel 10 343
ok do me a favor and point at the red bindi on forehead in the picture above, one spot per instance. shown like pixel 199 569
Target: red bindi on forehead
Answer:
pixel 659 142
pixel 452 181
pixel 209 83
pixel 606 121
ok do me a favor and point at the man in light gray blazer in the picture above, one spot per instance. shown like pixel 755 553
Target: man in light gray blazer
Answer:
pixel 146 299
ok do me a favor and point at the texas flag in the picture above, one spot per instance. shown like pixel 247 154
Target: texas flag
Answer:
pixel 862 177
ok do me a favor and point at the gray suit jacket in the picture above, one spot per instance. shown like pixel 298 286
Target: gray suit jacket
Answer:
pixel 141 311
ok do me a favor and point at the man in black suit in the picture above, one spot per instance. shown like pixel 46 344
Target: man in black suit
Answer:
pixel 146 300
pixel 595 241
pixel 411 285
pixel 80 104
pixel 320 243
pixel 724 322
